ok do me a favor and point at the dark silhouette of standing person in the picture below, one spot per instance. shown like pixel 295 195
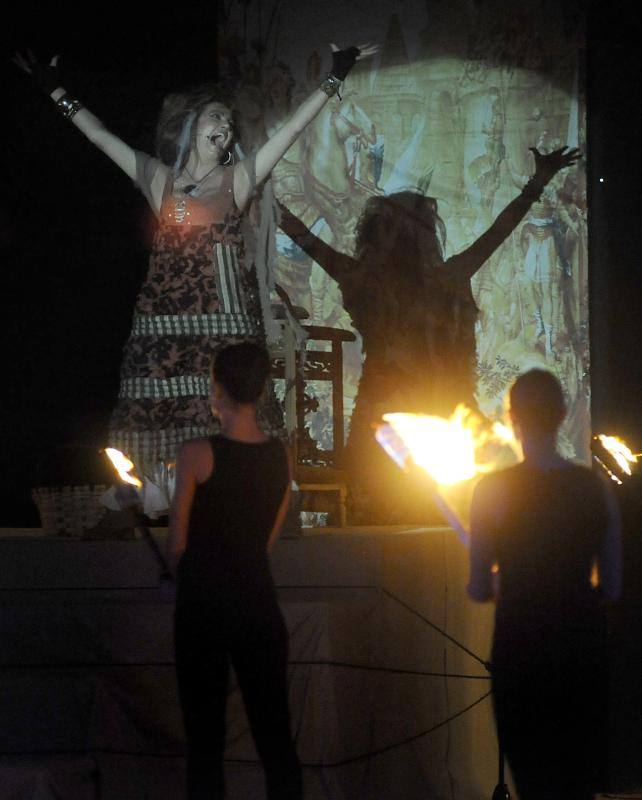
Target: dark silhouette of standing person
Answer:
pixel 231 498
pixel 545 524
pixel 416 315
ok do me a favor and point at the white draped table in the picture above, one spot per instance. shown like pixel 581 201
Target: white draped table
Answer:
pixel 88 696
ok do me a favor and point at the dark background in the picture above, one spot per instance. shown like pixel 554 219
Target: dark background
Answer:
pixel 74 233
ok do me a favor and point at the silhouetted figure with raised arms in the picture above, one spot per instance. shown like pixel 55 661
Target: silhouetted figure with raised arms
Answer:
pixel 544 525
pixel 416 315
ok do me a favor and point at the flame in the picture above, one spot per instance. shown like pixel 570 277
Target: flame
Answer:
pixel 503 433
pixel 449 450
pixel 619 450
pixel 123 466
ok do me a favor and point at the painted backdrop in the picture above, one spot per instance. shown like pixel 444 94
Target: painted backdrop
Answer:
pixel 449 107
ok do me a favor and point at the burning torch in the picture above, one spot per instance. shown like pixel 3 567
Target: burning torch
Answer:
pixel 614 456
pixel 447 450
pixel 128 498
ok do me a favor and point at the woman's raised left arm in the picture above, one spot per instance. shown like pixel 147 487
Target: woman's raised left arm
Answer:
pixel 278 144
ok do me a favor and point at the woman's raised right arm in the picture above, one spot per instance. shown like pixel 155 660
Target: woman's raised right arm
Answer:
pixel 337 265
pixel 47 79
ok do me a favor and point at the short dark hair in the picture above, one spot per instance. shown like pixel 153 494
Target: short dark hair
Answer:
pixel 537 401
pixel 242 369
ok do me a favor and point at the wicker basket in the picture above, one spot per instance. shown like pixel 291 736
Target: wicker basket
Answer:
pixel 69 510
pixel 68 483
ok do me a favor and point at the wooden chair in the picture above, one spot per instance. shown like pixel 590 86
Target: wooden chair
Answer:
pixel 322 484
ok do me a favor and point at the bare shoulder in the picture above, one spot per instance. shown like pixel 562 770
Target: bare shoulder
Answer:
pixel 196 458
pixel 193 448
pixel 491 483
pixel 491 490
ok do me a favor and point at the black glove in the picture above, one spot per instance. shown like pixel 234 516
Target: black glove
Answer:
pixel 343 61
pixel 47 78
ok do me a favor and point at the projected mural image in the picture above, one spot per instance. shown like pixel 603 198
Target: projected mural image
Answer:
pixel 448 110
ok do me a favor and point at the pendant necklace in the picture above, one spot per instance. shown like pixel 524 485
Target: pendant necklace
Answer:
pixel 190 188
pixel 180 204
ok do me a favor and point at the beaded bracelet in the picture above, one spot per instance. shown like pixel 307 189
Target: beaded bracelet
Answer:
pixel 67 106
pixel 330 85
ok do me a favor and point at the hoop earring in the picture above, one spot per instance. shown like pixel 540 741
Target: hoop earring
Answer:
pixel 230 159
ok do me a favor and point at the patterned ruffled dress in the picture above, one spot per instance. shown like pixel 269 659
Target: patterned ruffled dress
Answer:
pixel 198 296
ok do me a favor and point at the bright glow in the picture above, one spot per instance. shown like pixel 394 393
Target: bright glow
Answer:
pixel 448 450
pixel 504 434
pixel 123 466
pixel 619 450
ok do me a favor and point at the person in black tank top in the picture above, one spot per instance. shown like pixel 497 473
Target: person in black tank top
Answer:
pixel 545 523
pixel 232 495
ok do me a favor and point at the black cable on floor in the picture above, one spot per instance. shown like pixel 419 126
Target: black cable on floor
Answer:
pixel 309 765
pixel 485 664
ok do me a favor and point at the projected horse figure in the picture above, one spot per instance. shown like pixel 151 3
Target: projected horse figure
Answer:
pixel 335 184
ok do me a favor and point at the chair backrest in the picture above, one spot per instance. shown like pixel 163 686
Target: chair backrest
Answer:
pixel 316 363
